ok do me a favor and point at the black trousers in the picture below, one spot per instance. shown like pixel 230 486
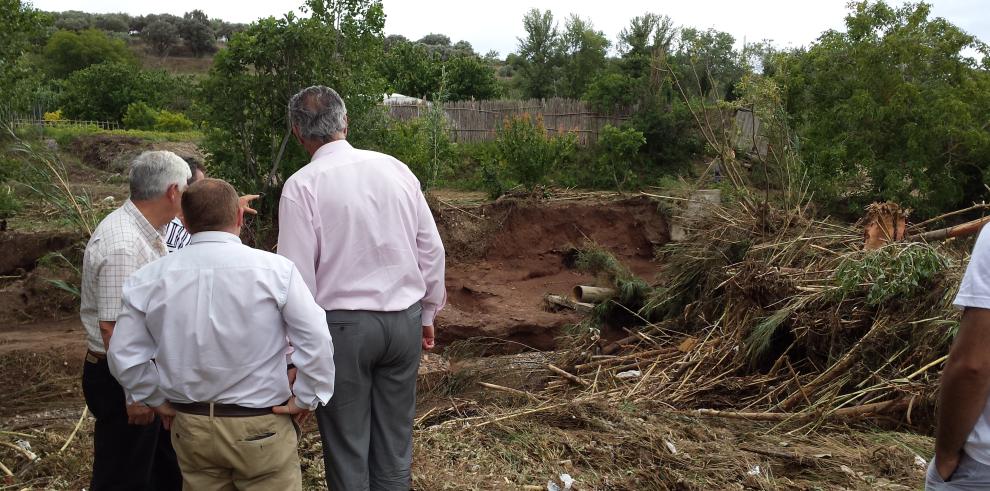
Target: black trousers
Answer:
pixel 125 456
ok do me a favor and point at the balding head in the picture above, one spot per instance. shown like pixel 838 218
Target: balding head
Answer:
pixel 211 205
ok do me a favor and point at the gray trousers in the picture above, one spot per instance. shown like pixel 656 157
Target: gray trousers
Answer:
pixel 970 475
pixel 367 426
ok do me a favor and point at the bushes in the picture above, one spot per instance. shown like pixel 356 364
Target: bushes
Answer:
pixel 103 92
pixel 616 151
pixel 140 116
pixel 528 153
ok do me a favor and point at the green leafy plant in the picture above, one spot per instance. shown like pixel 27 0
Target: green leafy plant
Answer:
pixel 172 121
pixel 893 271
pixel 528 153
pixel 616 150
pixel 139 116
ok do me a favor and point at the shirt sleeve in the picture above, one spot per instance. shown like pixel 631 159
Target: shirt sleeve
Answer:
pixel 432 262
pixel 132 351
pixel 306 326
pixel 117 266
pixel 297 239
pixel 974 291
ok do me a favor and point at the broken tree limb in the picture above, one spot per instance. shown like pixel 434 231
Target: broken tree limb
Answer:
pixel 854 412
pixel 592 294
pixel 510 390
pixel 562 301
pixel 72 435
pixel 569 376
pixel 961 230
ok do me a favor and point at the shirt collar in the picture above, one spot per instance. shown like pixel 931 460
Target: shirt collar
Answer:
pixel 214 236
pixel 332 147
pixel 147 230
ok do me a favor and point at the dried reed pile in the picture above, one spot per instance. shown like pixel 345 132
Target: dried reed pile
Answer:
pixel 765 313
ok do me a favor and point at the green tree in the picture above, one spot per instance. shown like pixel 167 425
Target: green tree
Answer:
pixel 892 108
pixel 584 56
pixel 113 22
pixel 197 32
pixel 67 51
pixel 73 20
pixel 104 91
pixel 647 36
pixel 540 54
pixel 707 65
pixel 244 97
pixel 161 36
pixel 434 40
pixel 22 26
pixel 469 77
pixel 410 69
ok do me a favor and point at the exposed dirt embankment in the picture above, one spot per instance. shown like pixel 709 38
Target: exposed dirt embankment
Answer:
pixel 501 265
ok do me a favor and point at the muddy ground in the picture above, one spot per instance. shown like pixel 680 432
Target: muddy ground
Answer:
pixel 503 257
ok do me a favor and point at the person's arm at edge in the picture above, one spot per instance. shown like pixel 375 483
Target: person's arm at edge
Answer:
pixel 130 359
pixel 432 264
pixel 964 387
pixel 306 326
pixel 116 265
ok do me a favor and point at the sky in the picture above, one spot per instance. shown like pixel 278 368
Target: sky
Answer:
pixel 497 25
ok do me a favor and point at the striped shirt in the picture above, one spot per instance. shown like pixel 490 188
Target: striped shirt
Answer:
pixel 121 244
pixel 176 236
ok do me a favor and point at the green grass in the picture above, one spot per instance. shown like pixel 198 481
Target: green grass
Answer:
pixel 65 135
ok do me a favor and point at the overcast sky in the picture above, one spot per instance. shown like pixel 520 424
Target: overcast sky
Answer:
pixel 496 25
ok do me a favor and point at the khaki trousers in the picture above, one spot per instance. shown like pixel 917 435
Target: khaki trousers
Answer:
pixel 249 453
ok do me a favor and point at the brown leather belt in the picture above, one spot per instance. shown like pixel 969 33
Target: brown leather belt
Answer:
pixel 94 357
pixel 221 410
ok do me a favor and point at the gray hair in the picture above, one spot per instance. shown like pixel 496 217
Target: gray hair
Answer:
pixel 153 172
pixel 318 112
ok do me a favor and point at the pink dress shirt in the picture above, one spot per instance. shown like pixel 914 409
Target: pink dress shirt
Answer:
pixel 358 228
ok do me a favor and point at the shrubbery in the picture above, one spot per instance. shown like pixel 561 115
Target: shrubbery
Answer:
pixel 140 116
pixel 527 153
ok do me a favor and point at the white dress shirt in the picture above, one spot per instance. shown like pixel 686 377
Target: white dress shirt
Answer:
pixel 209 322
pixel 123 242
pixel 357 226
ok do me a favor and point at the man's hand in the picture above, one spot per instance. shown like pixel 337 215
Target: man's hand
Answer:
pixel 167 412
pixel 946 465
pixel 429 340
pixel 244 202
pixel 139 414
pixel 298 414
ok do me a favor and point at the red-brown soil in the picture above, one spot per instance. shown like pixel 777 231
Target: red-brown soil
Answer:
pixel 499 292
pixel 502 259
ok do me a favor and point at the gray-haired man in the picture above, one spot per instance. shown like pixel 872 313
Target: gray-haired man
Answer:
pixel 129 449
pixel 359 230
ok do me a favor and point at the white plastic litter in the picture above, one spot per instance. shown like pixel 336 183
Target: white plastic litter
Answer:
pixel 670 447
pixel 567 480
pixel 628 374
pixel 754 471
pixel 552 486
pixel 26 446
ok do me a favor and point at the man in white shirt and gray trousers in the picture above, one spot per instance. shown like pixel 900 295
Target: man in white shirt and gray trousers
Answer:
pixel 962 434
pixel 202 340
pixel 357 226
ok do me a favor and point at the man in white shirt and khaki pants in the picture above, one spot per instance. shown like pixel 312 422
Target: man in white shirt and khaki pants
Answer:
pixel 202 340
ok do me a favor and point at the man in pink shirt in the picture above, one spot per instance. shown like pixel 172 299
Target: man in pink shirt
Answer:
pixel 358 228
